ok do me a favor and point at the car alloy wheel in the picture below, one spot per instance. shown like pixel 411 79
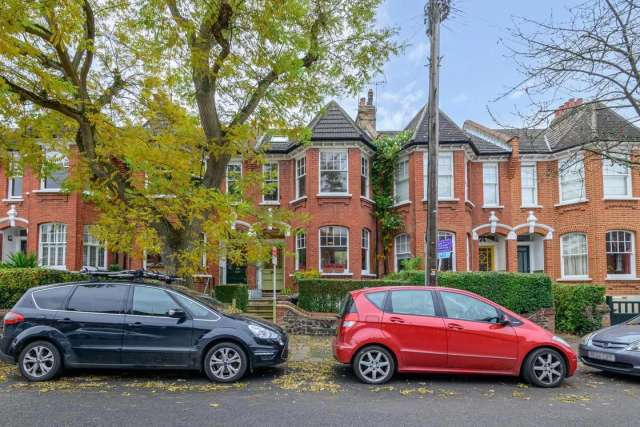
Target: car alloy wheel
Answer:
pixel 374 365
pixel 40 361
pixel 225 362
pixel 545 368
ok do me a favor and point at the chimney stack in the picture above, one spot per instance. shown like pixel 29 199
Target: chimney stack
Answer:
pixel 567 106
pixel 366 117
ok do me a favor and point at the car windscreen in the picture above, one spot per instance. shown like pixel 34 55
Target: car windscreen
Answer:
pixel 634 321
pixel 199 309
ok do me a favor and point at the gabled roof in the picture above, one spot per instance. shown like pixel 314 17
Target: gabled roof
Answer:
pixel 449 131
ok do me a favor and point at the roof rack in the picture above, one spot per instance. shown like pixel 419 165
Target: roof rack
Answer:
pixel 134 275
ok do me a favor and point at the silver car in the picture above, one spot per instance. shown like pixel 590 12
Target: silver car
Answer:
pixel 614 349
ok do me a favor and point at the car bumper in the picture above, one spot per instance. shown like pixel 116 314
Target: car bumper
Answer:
pixel 342 353
pixel 626 362
pixel 270 355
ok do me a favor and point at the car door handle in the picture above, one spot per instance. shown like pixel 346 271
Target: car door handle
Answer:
pixel 455 326
pixel 65 320
pixel 396 320
pixel 135 324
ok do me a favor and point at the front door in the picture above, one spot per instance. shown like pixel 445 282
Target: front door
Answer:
pixel 475 341
pixel 410 319
pixel 524 260
pixel 236 273
pixel 93 323
pixel 268 273
pixel 152 337
pixel 486 258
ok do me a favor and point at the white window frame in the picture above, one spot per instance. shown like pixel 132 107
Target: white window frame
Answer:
pixel 301 174
pixel 58 245
pixel 301 243
pixel 364 173
pixel 606 164
pixel 534 167
pixel 365 243
pixel 562 169
pixel 453 248
pixel 226 173
pixel 63 162
pixel 271 180
pixel 320 170
pixel 396 246
pixel 562 255
pixel 347 271
pixel 466 179
pixel 89 241
pixel 486 167
pixel 632 274
pixel 10 184
pixel 397 180
pixel 425 175
pixel 13 174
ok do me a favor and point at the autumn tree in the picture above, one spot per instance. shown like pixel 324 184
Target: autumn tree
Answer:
pixel 158 95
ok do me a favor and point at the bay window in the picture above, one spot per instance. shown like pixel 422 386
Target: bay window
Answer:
pixel 571 180
pixel 447 262
pixel 94 253
pixel 301 250
pixel 402 250
pixel 334 172
pixel 301 177
pixel 365 252
pixel 52 245
pixel 575 260
pixel 529 185
pixel 617 178
pixel 57 173
pixel 270 181
pixel 334 250
pixel 620 254
pixel 234 173
pixel 490 185
pixel 401 182
pixel 445 175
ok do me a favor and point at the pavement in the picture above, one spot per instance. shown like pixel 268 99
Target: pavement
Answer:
pixel 312 390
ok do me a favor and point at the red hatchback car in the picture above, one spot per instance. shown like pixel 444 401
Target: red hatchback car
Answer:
pixel 425 329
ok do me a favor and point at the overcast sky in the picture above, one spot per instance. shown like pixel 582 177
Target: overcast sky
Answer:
pixel 475 70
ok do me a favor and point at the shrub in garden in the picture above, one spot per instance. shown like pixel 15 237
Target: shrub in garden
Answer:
pixel 577 308
pixel 229 293
pixel 14 282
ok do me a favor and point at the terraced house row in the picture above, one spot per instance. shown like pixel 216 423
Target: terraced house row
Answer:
pixel 521 200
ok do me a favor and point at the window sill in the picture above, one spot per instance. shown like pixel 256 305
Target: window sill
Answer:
pixel 492 207
pixel 571 202
pixel 13 200
pixel 334 195
pixel 48 190
pixel 54 267
pixel 405 203
pixel 531 207
pixel 346 273
pixel 366 199
pixel 621 198
pixel 574 279
pixel 448 199
pixel 299 199
pixel 269 203
pixel 621 278
pixel 363 274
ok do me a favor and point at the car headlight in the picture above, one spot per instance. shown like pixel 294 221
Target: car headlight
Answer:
pixel 633 346
pixel 587 338
pixel 561 341
pixel 262 332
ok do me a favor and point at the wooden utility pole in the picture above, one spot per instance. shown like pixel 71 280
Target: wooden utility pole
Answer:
pixel 436 11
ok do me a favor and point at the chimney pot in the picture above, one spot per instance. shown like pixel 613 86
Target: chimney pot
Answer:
pixel 362 101
pixel 370 97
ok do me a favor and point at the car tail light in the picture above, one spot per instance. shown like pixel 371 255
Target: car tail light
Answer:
pixel 12 318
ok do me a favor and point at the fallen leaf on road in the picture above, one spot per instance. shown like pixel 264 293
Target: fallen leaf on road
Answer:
pixel 308 377
pixel 573 398
pixel 418 390
pixel 520 395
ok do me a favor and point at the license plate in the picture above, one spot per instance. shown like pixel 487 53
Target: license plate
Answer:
pixel 602 356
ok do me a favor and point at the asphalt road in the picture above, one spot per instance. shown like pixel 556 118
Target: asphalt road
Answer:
pixel 314 393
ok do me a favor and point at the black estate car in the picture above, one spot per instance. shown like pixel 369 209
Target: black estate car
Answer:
pixel 133 325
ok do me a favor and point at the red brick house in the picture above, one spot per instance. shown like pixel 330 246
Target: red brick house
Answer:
pixel 510 200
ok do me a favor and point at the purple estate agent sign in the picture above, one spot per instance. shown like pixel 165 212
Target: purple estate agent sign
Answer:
pixel 445 247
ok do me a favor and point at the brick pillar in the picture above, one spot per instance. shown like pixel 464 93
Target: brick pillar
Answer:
pixel 512 255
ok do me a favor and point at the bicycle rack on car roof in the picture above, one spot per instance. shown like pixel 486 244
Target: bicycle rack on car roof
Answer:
pixel 133 275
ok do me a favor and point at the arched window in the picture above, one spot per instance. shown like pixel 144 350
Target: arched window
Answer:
pixel 447 262
pixel 575 259
pixel 301 250
pixel 402 250
pixel 52 245
pixel 334 250
pixel 620 254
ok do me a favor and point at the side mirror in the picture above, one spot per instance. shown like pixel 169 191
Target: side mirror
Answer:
pixel 177 313
pixel 503 320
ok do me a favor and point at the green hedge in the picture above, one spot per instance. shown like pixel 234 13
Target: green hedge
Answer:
pixel 239 292
pixel 576 308
pixel 521 293
pixel 14 282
